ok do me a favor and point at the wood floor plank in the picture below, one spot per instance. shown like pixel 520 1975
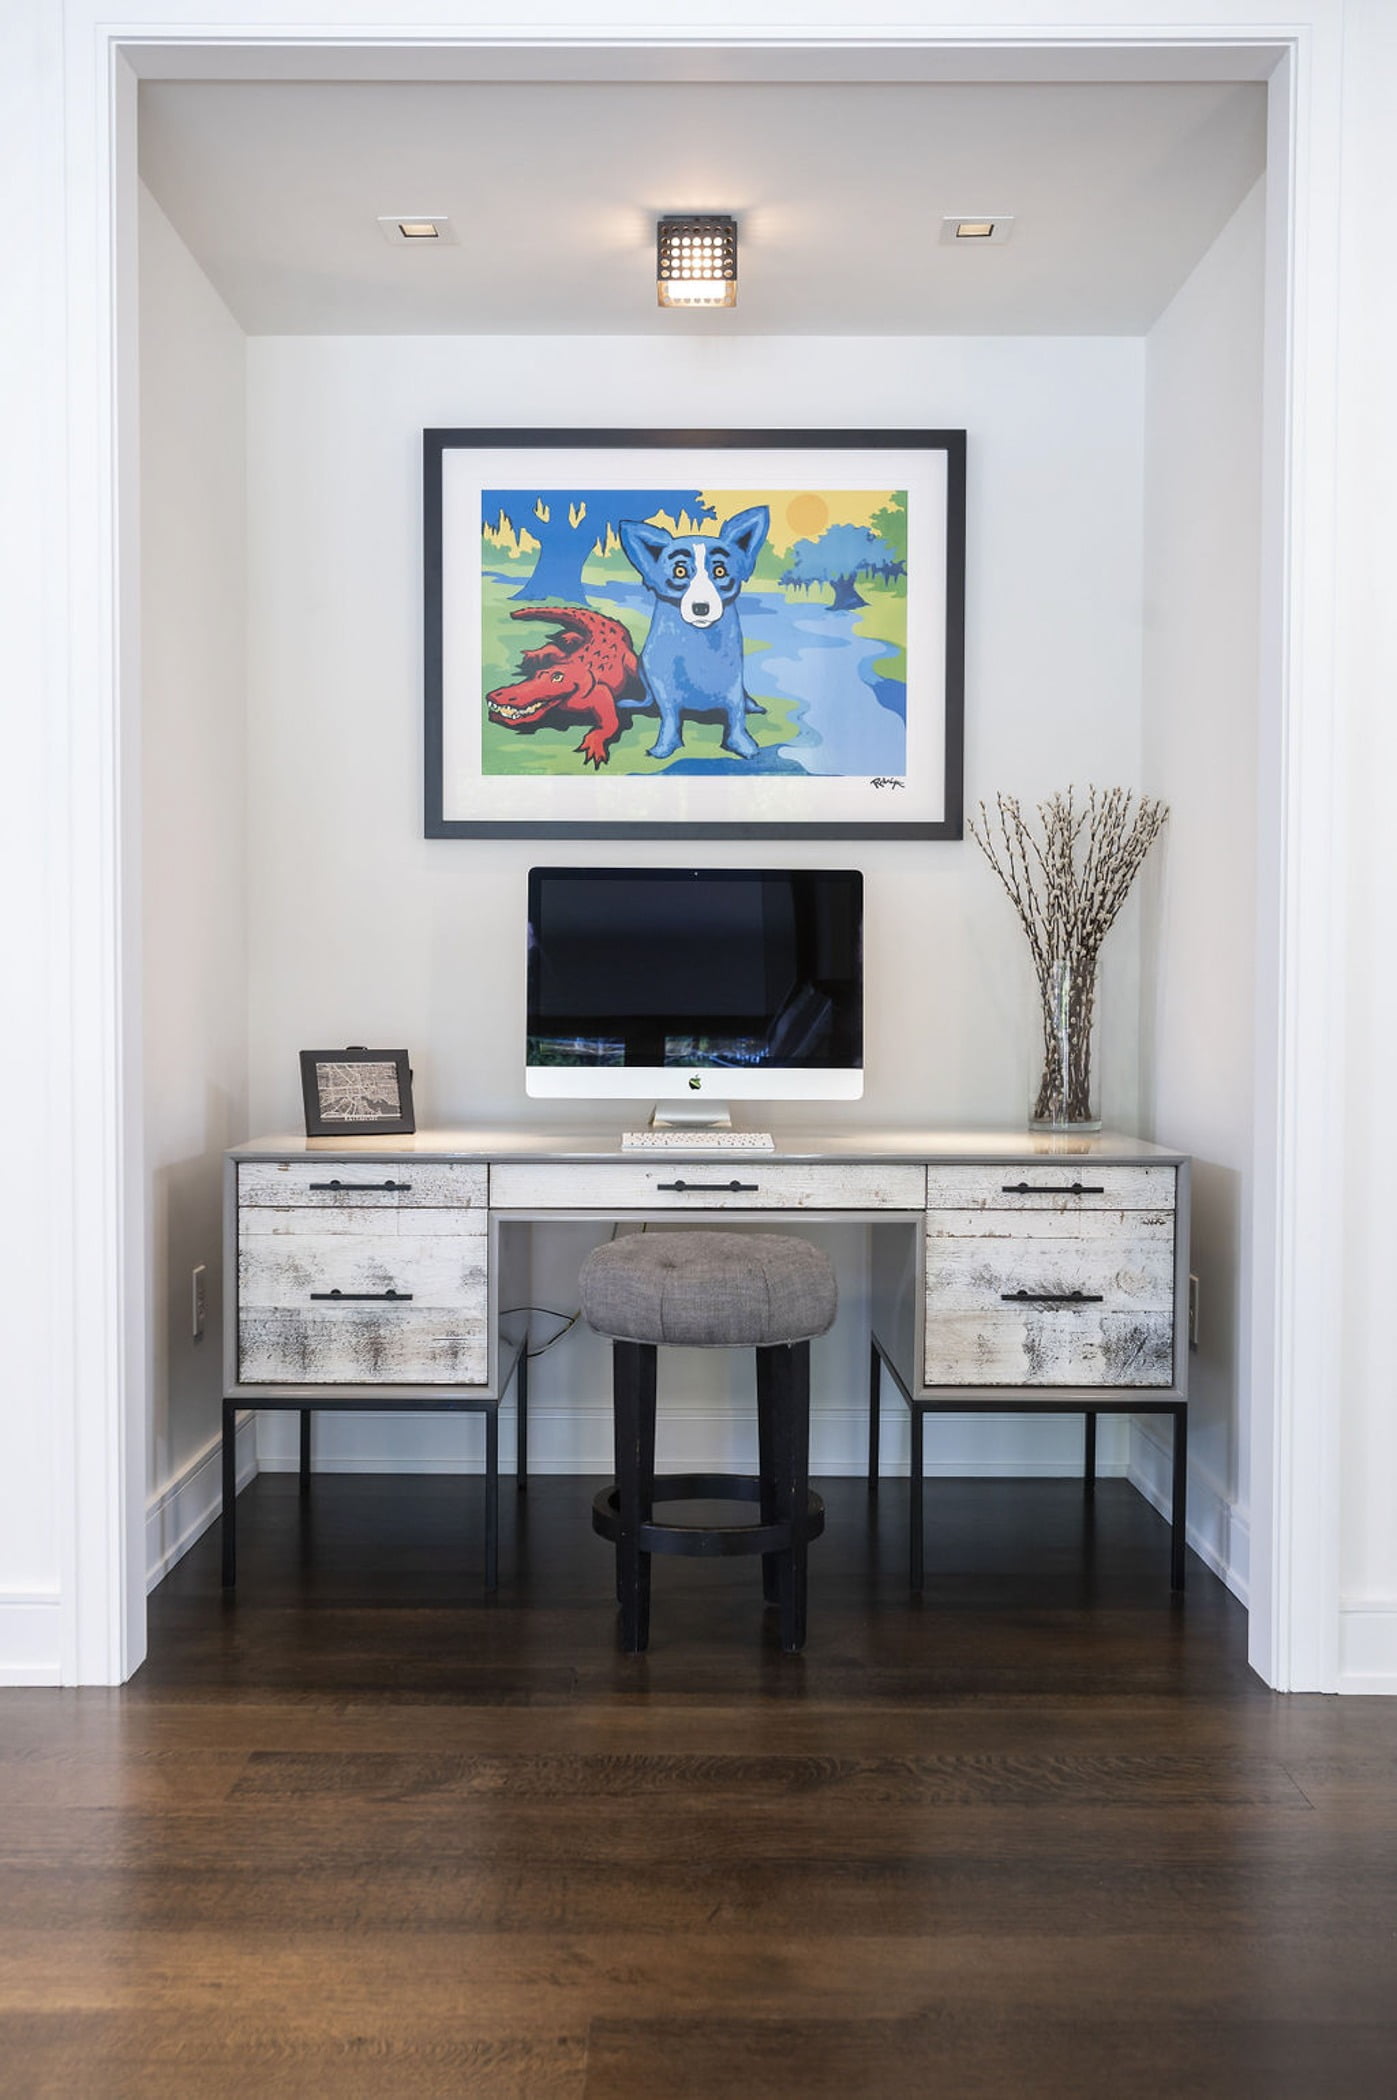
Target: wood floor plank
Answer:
pixel 1073 1894
pixel 153 2055
pixel 977 2059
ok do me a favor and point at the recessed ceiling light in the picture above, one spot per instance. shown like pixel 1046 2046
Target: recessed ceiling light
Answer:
pixel 411 228
pixel 985 226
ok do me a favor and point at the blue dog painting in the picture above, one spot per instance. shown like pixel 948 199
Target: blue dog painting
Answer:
pixel 692 660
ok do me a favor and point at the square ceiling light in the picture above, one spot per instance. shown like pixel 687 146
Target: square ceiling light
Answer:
pixel 696 261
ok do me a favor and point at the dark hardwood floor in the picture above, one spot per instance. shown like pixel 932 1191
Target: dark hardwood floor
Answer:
pixel 362 1831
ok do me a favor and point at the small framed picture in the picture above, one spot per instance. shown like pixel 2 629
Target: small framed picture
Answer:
pixel 357 1093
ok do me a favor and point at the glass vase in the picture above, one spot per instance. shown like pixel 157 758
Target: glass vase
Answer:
pixel 1066 1096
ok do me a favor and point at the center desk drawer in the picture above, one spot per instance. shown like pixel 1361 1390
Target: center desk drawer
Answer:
pixel 707 1184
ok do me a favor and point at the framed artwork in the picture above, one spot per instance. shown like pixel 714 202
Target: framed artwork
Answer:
pixel 694 634
pixel 357 1093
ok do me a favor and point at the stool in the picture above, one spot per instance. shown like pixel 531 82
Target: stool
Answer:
pixel 711 1290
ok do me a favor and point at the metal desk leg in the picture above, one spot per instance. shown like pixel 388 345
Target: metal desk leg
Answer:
pixel 521 1418
pixel 305 1450
pixel 875 1404
pixel 230 1493
pixel 1178 1540
pixel 1089 1454
pixel 492 1498
pixel 917 1491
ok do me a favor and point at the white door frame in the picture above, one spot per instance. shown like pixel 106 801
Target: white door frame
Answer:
pixel 92 546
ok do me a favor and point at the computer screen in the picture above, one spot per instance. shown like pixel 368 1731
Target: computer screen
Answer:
pixel 667 982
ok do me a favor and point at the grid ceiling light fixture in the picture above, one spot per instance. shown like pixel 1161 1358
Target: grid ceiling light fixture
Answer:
pixel 415 229
pixel 696 261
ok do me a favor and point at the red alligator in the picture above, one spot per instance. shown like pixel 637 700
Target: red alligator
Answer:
pixel 584 668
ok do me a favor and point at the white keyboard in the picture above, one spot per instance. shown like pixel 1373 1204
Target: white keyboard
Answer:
pixel 697 1141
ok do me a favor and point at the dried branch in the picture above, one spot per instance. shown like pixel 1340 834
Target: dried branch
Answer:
pixel 1067 880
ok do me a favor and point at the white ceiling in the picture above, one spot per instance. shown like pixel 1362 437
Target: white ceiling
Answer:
pixel 838 188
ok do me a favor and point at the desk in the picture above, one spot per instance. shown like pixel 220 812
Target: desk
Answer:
pixel 1009 1270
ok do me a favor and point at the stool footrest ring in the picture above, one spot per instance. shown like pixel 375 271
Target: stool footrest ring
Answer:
pixel 706 1538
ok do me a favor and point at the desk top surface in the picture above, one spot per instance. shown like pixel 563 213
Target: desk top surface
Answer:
pixel 597 1143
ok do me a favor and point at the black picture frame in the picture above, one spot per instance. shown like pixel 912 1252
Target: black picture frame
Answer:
pixel 464 797
pixel 334 1104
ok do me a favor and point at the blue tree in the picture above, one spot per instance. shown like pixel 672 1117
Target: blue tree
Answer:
pixel 839 557
pixel 570 523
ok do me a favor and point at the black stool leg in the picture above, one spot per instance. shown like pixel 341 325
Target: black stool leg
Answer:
pixel 787 1370
pixel 305 1450
pixel 633 1381
pixel 492 1498
pixel 793 1633
pixel 230 1493
pixel 768 1470
pixel 1089 1454
pixel 875 1410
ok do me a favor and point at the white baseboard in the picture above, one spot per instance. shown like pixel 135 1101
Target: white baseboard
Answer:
pixel 31 1637
pixel 1217 1530
pixel 183 1511
pixel 1368 1647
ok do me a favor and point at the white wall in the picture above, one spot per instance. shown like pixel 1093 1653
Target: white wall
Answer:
pixel 30 1055
pixel 362 931
pixel 1202 614
pixel 193 848
pixel 1367 615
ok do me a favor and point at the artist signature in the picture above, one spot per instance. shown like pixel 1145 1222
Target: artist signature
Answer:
pixel 884 780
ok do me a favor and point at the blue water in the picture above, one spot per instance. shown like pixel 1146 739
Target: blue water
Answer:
pixel 851 721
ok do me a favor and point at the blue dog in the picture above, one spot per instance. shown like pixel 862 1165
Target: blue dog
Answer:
pixel 692 659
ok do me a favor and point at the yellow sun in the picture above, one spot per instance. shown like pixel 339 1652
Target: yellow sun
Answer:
pixel 807 514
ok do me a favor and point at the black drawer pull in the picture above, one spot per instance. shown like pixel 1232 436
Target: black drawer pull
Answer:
pixel 365 1297
pixel 1052 1298
pixel 400 1188
pixel 1029 1188
pixel 707 1188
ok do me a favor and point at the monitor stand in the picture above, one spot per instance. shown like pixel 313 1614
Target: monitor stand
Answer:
pixel 691 1115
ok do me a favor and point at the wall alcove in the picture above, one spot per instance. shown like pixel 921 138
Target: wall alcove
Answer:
pixel 1121 507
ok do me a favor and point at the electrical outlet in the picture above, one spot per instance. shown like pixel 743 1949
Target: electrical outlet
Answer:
pixel 1193 1312
pixel 199 1301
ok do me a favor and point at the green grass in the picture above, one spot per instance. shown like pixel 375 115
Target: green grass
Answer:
pixel 551 751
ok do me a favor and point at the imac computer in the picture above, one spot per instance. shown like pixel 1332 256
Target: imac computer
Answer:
pixel 692 987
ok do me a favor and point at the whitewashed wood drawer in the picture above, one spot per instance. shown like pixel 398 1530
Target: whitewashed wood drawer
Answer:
pixel 1057 1297
pixel 378 1184
pixel 349 1292
pixel 1046 1185
pixel 712 1184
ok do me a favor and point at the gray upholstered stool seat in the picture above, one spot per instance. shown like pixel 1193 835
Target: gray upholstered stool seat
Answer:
pixel 711 1290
